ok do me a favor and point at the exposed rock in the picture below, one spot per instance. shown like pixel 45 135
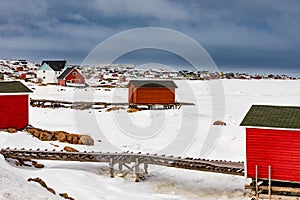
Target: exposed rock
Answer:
pixel 131 110
pixel 54 144
pixel 51 190
pixel 72 138
pixel 70 149
pixel 61 136
pixel 66 196
pixel 33 131
pixel 42 183
pixel 37 165
pixel 45 136
pixel 86 140
pixel 220 123
pixel 114 108
pixel 11 130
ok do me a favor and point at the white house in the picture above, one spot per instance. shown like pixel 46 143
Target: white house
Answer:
pixel 50 70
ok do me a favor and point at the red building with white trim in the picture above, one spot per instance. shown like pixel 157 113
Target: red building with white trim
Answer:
pixel 71 77
pixel 14 105
pixel 273 142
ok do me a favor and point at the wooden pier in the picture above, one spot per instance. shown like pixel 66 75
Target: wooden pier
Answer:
pixel 81 105
pixel 129 160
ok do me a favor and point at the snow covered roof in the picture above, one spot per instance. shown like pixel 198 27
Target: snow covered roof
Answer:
pixel 273 116
pixel 56 65
pixel 13 87
pixel 153 83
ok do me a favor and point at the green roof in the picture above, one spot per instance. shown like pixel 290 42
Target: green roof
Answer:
pixel 13 87
pixel 273 116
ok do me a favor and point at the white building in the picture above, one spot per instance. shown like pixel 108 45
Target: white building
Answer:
pixel 50 70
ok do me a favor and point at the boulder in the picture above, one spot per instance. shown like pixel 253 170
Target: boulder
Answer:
pixel 35 132
pixel 45 136
pixel 86 140
pixel 70 149
pixel 72 138
pixel 61 136
pixel 220 123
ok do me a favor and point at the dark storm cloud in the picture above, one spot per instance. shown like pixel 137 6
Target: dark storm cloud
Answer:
pixel 260 33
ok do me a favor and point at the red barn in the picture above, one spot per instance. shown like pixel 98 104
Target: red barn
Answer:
pixel 14 103
pixel 273 139
pixel 71 77
pixel 151 92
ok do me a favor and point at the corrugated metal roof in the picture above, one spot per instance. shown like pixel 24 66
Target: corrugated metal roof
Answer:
pixel 13 87
pixel 153 83
pixel 273 116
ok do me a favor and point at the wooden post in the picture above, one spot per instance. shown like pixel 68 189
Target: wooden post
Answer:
pixel 120 166
pixel 256 181
pixel 269 182
pixel 146 168
pixel 137 170
pixel 111 168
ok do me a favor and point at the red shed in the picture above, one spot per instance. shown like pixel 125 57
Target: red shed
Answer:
pixel 71 77
pixel 151 92
pixel 14 103
pixel 273 139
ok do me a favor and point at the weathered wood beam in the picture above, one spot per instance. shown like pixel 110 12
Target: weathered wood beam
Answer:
pixel 111 168
pixel 137 170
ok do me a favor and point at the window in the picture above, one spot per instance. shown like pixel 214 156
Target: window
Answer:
pixel 74 73
pixel 44 77
pixel 44 71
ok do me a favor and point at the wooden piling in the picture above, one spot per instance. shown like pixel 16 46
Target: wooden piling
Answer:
pixel 111 168
pixel 269 176
pixel 137 170
pixel 146 168
pixel 256 181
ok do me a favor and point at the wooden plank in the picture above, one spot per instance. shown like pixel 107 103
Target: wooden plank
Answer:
pixel 276 189
pixel 278 197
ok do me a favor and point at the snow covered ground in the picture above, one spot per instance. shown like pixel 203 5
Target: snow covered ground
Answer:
pixel 184 132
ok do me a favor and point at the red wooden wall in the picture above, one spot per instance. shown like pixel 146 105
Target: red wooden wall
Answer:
pixel 278 148
pixel 151 95
pixel 13 111
pixel 78 78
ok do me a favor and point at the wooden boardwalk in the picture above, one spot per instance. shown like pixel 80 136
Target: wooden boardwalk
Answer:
pixel 131 161
pixel 81 105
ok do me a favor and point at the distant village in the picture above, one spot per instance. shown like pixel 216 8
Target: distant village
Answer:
pixel 59 72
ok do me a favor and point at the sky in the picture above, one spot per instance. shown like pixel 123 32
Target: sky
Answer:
pixel 256 34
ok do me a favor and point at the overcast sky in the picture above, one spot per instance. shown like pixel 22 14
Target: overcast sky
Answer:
pixel 236 33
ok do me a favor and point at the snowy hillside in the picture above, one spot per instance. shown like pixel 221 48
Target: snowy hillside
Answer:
pixel 184 132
